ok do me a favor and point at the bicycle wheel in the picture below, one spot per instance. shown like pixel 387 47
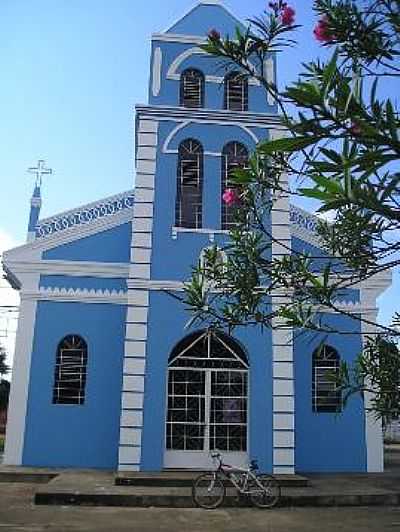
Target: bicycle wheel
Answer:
pixel 208 491
pixel 266 492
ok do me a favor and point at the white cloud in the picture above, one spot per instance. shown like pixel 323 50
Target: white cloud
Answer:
pixel 8 298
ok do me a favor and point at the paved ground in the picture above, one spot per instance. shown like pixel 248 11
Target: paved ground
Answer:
pixel 18 514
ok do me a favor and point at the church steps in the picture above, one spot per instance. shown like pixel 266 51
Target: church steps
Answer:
pixel 185 479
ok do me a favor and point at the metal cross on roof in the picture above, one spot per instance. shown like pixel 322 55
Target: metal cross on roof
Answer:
pixel 40 171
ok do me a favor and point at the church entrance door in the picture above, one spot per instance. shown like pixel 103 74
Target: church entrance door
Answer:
pixel 207 402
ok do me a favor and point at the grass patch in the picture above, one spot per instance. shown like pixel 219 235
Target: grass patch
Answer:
pixel 2 438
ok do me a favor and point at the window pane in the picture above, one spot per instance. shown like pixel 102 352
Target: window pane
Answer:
pixel 70 371
pixel 189 185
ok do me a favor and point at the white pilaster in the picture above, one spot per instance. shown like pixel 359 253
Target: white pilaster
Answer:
pixel 282 345
pixel 131 423
pixel 19 391
pixel 373 427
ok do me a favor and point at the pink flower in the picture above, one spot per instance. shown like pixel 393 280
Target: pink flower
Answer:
pixel 287 16
pixel 322 32
pixel 214 35
pixel 230 196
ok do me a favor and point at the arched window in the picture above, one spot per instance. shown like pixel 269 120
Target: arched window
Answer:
pixel 188 210
pixel 70 371
pixel 236 92
pixel 192 88
pixel 234 156
pixel 207 394
pixel 326 396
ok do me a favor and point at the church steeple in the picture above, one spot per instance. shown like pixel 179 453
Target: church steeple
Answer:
pixel 36 203
pixel 36 200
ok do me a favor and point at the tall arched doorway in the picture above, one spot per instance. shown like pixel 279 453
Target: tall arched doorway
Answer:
pixel 207 405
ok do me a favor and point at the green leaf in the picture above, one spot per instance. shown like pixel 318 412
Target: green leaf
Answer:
pixel 315 193
pixel 289 145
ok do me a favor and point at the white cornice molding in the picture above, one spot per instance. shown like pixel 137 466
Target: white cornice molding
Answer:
pixel 176 38
pixel 212 116
pixel 107 270
pixel 71 295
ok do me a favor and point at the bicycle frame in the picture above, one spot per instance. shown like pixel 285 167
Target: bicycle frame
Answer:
pixel 241 483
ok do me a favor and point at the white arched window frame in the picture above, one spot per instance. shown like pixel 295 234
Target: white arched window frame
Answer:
pixel 326 395
pixel 70 371
pixel 236 92
pixel 234 155
pixel 192 89
pixel 189 196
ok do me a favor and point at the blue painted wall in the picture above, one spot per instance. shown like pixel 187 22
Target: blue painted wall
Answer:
pixel 76 436
pixel 112 245
pixel 169 94
pixel 327 442
pixel 90 283
pixel 167 320
pixel 197 21
pixel 173 259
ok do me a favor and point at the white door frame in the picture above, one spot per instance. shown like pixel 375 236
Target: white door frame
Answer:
pixel 201 460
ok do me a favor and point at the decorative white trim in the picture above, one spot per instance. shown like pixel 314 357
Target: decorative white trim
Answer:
pixel 84 215
pixel 76 295
pixel 210 116
pixel 171 135
pixel 172 70
pixel 174 75
pixel 177 38
pixel 18 404
pixel 157 65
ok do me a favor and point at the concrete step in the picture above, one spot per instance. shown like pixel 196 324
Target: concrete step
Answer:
pixel 29 475
pixel 181 479
pixel 182 498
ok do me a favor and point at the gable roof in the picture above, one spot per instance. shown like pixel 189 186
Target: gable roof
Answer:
pixel 202 17
pixel 70 226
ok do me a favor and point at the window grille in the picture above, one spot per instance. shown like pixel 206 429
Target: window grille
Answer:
pixel 207 394
pixel 326 395
pixel 189 209
pixel 236 92
pixel 192 89
pixel 234 156
pixel 70 371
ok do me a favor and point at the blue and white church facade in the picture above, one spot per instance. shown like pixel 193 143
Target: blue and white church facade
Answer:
pixel 105 374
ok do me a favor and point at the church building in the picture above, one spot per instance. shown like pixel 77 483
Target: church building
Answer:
pixel 106 375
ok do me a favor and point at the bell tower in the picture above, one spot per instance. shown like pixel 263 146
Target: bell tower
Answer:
pixel 196 126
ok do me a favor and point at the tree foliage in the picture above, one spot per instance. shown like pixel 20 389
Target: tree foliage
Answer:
pixel 341 148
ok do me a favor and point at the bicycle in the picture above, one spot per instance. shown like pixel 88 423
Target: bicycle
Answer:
pixel 209 489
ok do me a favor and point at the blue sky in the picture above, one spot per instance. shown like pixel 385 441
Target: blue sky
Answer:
pixel 72 72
